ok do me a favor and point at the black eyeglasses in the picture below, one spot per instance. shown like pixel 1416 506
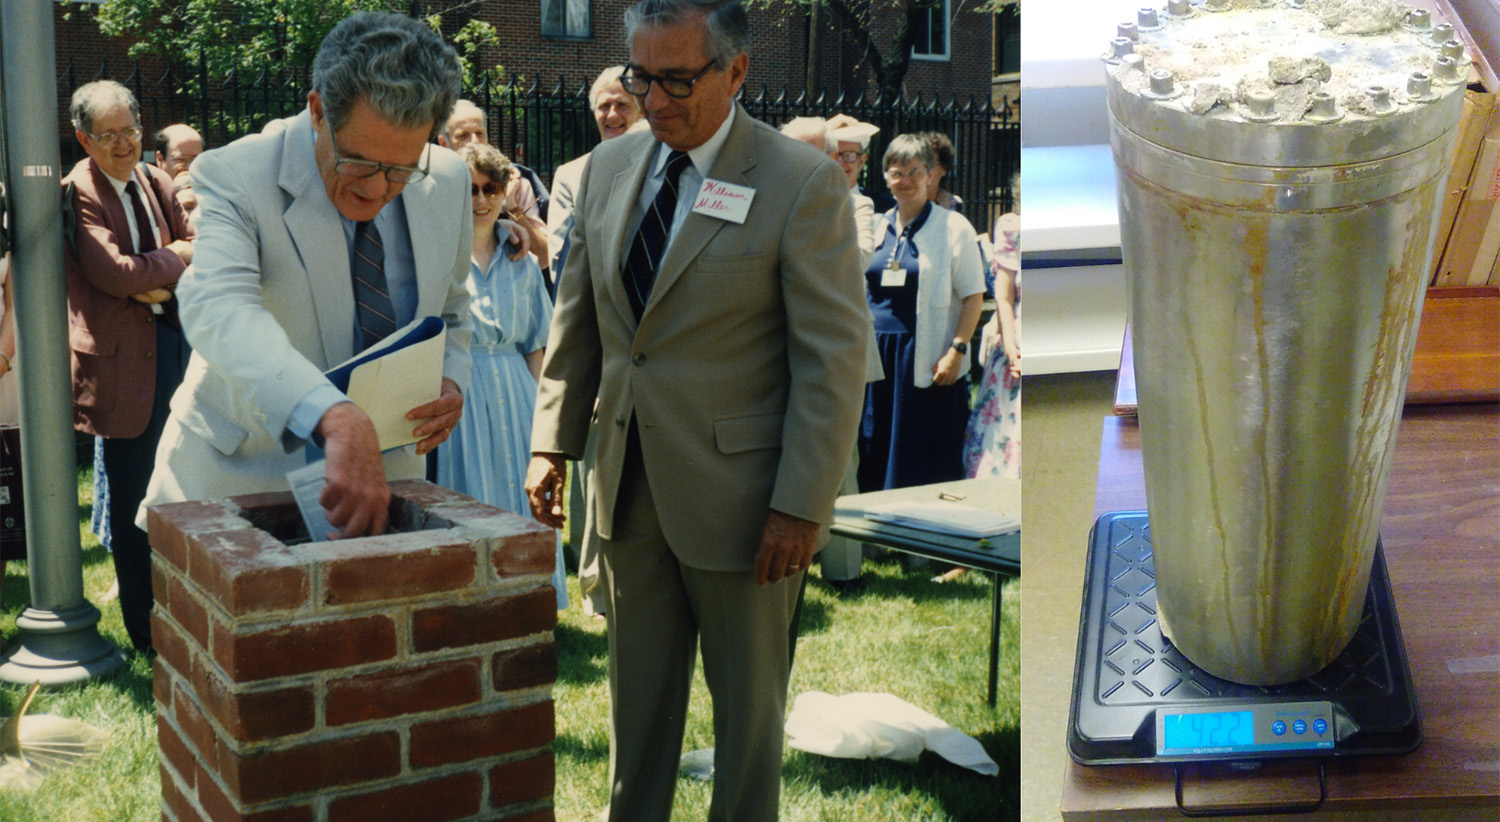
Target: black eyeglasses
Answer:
pixel 849 156
pixel 396 175
pixel 638 82
pixel 491 189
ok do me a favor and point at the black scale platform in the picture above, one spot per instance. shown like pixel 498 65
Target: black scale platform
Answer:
pixel 1126 671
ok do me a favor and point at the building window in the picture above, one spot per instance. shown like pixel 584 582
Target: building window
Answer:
pixel 1007 59
pixel 566 18
pixel 931 38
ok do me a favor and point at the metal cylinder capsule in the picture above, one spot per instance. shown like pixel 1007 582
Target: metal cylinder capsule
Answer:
pixel 1277 246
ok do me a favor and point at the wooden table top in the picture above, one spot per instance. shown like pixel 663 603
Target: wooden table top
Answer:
pixel 1441 534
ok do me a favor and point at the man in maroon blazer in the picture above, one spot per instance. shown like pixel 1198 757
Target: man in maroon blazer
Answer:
pixel 131 243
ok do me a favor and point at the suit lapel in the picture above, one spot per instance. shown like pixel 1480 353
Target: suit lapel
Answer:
pixel 736 158
pixel 619 231
pixel 314 226
pixel 145 184
pixel 114 205
pixel 435 252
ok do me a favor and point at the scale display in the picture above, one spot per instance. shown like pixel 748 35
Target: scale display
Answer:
pixel 1248 729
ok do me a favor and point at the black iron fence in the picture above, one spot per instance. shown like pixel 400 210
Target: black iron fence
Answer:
pixel 545 128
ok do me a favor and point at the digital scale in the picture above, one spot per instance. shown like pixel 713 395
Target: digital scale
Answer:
pixel 1138 700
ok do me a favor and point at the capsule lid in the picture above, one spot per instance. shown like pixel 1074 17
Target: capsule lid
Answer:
pixel 1287 82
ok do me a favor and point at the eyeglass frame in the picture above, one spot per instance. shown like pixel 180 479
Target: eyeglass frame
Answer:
pixel 476 190
pixel 850 156
pixel 898 176
pixel 108 138
pixel 633 72
pixel 414 174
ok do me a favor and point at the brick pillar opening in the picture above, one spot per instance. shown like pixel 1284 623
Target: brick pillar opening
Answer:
pixel 401 677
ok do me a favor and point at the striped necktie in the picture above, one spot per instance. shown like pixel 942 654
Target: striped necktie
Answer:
pixel 651 240
pixel 372 298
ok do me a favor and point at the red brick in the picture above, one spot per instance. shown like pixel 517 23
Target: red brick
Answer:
pixel 168 526
pixel 436 800
pixel 466 738
pixel 544 815
pixel 161 687
pixel 534 552
pixel 175 755
pixel 396 566
pixel 304 647
pixel 195 726
pixel 175 804
pixel 402 691
pixel 222 808
pixel 525 667
pixel 159 577
pixel 186 610
pixel 247 571
pixel 505 617
pixel 306 768
pixel 171 646
pixel 515 782
pixel 256 715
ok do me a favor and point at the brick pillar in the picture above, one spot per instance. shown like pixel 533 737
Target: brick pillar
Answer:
pixel 405 677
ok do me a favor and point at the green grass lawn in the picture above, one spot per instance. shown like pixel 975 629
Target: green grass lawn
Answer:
pixel 924 642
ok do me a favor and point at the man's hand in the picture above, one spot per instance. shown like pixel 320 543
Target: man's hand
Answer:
pixel 440 416
pixel 544 488
pixel 518 236
pixel 183 249
pixel 155 295
pixel 786 547
pixel 355 497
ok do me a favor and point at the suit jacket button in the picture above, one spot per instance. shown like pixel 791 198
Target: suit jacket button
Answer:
pixel 639 359
pixel 150 355
pixel 150 318
pixel 619 422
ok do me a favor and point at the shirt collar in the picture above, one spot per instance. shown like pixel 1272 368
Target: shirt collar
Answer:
pixel 703 156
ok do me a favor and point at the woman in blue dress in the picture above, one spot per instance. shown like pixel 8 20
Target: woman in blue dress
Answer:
pixel 926 288
pixel 487 455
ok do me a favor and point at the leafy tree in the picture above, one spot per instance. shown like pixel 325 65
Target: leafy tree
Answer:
pixel 251 36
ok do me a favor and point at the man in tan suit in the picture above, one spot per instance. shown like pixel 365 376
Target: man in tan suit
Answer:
pixel 724 341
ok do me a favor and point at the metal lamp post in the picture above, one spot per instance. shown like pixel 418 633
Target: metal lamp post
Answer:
pixel 59 637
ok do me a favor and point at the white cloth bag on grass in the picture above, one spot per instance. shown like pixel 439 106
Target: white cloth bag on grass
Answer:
pixel 879 726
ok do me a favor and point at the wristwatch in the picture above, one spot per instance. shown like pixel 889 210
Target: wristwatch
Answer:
pixel 960 346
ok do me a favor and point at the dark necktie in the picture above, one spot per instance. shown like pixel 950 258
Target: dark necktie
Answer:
pixel 145 239
pixel 651 240
pixel 372 298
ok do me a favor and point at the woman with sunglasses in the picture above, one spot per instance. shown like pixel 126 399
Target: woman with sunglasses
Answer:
pixel 487 455
pixel 926 284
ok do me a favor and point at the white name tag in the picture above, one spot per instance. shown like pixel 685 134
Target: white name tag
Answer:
pixel 726 201
pixel 892 278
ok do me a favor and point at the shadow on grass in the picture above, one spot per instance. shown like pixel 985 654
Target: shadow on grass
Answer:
pixel 580 751
pixel 582 656
pixel 963 794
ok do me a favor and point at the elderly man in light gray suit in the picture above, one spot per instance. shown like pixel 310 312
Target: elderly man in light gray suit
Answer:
pixel 712 303
pixel 299 229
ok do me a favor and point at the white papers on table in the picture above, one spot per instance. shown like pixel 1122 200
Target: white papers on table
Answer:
pixel 394 376
pixel 945 518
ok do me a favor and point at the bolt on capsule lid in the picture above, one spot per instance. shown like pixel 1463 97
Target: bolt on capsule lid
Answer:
pixel 1287 82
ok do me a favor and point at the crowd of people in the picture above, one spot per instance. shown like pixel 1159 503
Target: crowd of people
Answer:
pixel 716 375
